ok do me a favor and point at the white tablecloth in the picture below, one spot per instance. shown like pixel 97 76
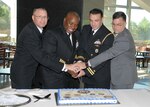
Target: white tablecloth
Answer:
pixel 126 97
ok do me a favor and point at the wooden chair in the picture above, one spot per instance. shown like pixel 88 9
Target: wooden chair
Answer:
pixel 2 57
pixel 6 56
pixel 10 55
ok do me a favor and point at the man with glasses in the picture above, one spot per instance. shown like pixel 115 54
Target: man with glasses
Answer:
pixel 29 53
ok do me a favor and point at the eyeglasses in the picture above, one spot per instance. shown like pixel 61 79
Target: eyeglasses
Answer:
pixel 113 24
pixel 41 17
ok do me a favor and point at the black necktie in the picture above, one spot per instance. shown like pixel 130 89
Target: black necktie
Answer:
pixel 92 32
pixel 69 35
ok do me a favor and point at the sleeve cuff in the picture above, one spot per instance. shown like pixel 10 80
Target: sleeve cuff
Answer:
pixel 89 71
pixel 89 64
pixel 64 68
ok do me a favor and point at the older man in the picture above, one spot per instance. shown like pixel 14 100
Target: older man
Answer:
pixel 29 53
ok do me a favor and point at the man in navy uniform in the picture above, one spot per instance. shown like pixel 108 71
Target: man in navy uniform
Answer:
pixel 95 39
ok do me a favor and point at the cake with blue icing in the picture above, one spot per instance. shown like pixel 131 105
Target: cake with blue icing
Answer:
pixel 85 96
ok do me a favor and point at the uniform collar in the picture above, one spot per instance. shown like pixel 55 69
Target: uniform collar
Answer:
pixel 94 31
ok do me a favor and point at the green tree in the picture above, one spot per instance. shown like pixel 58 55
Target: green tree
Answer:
pixel 134 29
pixel 144 29
pixel 4 18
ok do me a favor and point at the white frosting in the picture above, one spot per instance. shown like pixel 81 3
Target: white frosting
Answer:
pixel 86 96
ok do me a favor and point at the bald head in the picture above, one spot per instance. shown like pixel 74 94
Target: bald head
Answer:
pixel 73 14
pixel 71 21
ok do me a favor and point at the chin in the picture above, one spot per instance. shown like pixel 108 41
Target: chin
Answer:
pixel 116 32
pixel 71 31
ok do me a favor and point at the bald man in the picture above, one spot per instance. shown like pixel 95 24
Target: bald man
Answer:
pixel 61 44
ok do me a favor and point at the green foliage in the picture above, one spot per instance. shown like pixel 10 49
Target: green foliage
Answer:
pixel 147 42
pixel 141 31
pixel 7 38
pixel 4 17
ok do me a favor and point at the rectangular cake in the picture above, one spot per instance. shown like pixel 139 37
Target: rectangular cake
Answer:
pixel 85 96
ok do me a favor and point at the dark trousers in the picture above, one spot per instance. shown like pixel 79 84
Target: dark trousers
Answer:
pixel 37 80
pixel 71 82
pixel 97 85
pixel 21 85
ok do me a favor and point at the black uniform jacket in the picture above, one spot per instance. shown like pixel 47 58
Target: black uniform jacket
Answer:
pixel 92 45
pixel 57 44
pixel 29 54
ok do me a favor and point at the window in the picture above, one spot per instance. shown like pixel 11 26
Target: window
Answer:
pixel 7 22
pixel 139 24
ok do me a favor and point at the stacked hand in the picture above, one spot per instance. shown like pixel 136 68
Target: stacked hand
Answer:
pixel 72 73
pixel 76 69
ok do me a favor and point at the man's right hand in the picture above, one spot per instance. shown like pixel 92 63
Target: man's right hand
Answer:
pixel 72 73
